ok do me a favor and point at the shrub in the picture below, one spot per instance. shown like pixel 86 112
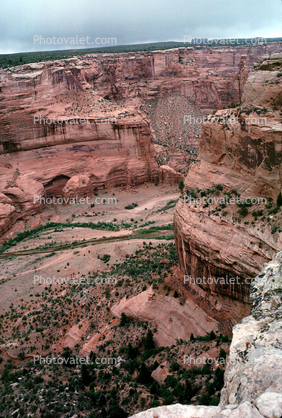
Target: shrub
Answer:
pixel 218 379
pixel 132 206
pixel 117 412
pixel 222 354
pixel 205 399
pixel 181 185
pixel 38 379
pixel 154 387
pixel 274 210
pixel 279 200
pixel 148 341
pixel 206 368
pixel 106 258
pixel 144 375
pixel 131 352
pixel 174 366
pixel 212 335
pixel 243 211
pixel 124 320
pixel 214 402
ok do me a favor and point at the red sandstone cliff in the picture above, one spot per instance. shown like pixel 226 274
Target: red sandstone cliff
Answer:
pixel 210 77
pixel 107 142
pixel 54 135
pixel 240 149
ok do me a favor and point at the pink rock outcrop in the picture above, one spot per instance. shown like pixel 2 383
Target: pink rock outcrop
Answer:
pixel 77 187
pixel 173 320
pixel 239 149
pixel 60 119
pixel 168 175
pixel 161 373
pixel 50 146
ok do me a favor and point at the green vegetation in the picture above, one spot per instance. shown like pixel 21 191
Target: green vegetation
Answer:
pixel 279 200
pixel 132 206
pixel 33 233
pixel 169 227
pixel 102 390
pixel 11 60
pixel 147 262
pixel 105 258
pixel 171 204
pixel 181 185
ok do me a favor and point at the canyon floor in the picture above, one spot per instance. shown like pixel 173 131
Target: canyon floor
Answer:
pixel 96 317
pixel 62 288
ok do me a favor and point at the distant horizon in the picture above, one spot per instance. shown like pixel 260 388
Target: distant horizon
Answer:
pixel 155 43
pixel 35 25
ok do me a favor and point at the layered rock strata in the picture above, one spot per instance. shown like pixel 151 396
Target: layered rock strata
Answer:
pixel 240 150
pixel 56 120
pixel 210 77
pixel 253 383
pixel 67 148
pixel 168 175
pixel 181 321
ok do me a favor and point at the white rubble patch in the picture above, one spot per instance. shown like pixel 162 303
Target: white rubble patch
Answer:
pixel 269 404
pixel 179 411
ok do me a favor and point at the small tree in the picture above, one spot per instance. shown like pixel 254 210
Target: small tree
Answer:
pixel 181 185
pixel 131 352
pixel 144 375
pixel 148 341
pixel 85 375
pixel 212 335
pixel 123 320
pixel 279 200
pixel 222 353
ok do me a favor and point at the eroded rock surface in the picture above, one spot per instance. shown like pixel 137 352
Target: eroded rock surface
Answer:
pixel 61 119
pixel 255 362
pixel 253 383
pixel 40 160
pixel 168 175
pixel 240 150
pixel 173 320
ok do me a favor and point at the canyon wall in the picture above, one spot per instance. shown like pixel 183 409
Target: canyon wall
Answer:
pixel 52 131
pixel 240 157
pixel 107 155
pixel 210 77
pixel 252 380
pixel 69 118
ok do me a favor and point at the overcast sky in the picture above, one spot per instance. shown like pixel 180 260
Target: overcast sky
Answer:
pixel 25 25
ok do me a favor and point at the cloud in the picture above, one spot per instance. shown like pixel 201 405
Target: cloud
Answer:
pixel 132 22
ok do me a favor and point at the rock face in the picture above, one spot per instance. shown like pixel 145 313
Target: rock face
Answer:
pixel 169 175
pixel 253 383
pixel 66 144
pixel 239 149
pixel 208 76
pixel 179 411
pixel 255 361
pixel 262 88
pixel 172 319
pixel 78 186
pixel 57 122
